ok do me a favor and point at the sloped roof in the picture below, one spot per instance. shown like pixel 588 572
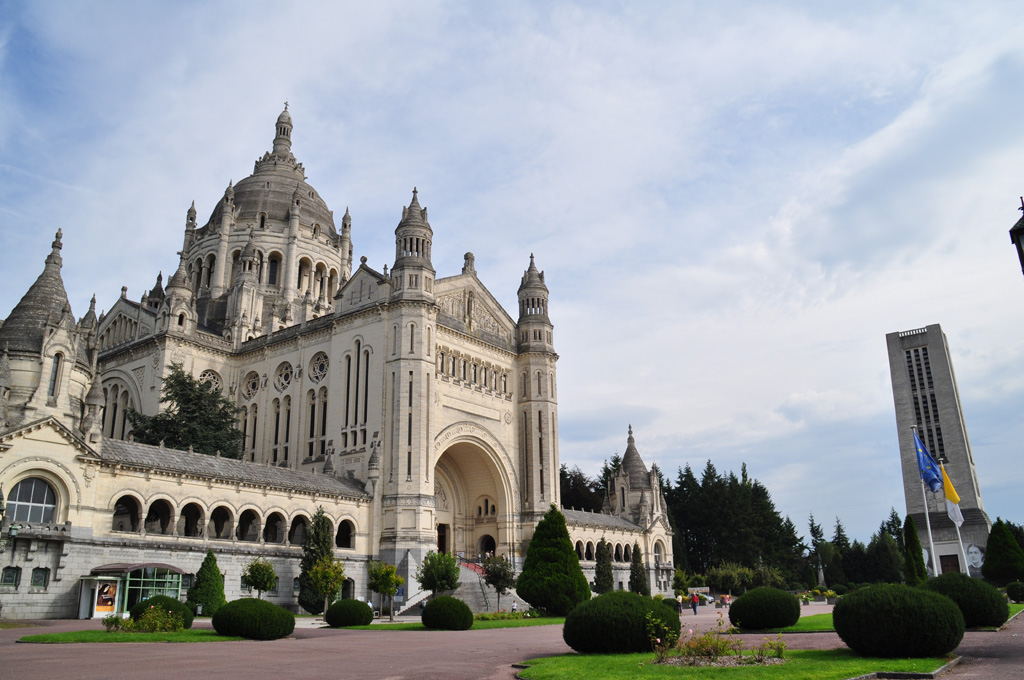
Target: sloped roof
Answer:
pixel 45 302
pixel 634 465
pixel 227 469
pixel 598 519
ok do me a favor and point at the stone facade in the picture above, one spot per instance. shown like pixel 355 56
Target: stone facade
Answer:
pixel 926 397
pixel 414 409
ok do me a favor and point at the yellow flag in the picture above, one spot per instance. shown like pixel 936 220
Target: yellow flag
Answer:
pixel 947 486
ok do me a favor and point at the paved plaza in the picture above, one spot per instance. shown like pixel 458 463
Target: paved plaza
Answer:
pixel 320 653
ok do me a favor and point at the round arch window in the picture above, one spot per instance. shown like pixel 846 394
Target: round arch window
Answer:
pixel 32 500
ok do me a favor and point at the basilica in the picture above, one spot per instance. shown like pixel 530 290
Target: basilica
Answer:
pixel 411 407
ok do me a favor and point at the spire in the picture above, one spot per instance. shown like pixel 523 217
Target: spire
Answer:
pixel 634 465
pixel 346 221
pixel 45 302
pixel 179 279
pixel 191 215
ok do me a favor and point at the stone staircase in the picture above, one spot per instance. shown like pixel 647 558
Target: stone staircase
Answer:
pixel 472 590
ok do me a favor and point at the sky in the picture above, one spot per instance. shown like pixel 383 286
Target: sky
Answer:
pixel 733 202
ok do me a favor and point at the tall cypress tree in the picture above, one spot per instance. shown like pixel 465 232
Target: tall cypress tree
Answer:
pixel 604 581
pixel 208 588
pixel 916 572
pixel 318 545
pixel 638 574
pixel 1004 560
pixel 551 578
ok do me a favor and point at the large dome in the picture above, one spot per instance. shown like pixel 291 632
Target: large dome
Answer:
pixel 268 192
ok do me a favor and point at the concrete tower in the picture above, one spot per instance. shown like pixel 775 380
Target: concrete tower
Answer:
pixel 925 395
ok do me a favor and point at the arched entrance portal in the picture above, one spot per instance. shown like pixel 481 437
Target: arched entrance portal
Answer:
pixel 473 500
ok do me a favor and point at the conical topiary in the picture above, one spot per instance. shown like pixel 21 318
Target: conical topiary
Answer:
pixel 207 590
pixel 1004 559
pixel 551 578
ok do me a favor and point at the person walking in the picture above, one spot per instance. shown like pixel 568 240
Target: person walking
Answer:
pixel 694 599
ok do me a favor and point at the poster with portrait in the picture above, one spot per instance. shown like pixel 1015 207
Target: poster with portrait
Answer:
pixel 106 597
pixel 975 559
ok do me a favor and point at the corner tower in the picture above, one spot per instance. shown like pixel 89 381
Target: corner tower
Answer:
pixel 538 402
pixel 408 530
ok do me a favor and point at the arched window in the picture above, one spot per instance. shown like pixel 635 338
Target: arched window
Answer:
pixel 55 375
pixel 346 535
pixel 32 500
pixel 126 514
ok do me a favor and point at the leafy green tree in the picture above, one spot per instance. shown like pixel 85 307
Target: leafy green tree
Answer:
pixel 886 559
pixel 207 590
pixel 197 415
pixel 638 573
pixel 1018 533
pixel 893 526
pixel 916 573
pixel 767 576
pixel 551 578
pixel 608 469
pixel 730 577
pixel 1004 559
pixel 384 579
pixel 319 545
pixel 439 572
pixel 259 574
pixel 579 491
pixel 817 535
pixel 499 574
pixel 857 564
pixel 327 577
pixel 680 581
pixel 604 580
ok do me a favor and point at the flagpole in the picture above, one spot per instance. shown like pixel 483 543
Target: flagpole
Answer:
pixel 927 515
pixel 928 523
pixel 963 552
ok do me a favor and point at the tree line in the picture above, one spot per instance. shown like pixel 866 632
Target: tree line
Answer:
pixel 728 534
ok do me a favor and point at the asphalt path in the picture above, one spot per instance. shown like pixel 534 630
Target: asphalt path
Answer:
pixel 322 653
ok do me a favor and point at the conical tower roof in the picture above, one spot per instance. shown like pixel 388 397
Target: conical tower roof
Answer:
pixel 634 465
pixel 46 302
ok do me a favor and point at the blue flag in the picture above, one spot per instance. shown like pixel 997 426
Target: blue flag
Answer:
pixel 928 468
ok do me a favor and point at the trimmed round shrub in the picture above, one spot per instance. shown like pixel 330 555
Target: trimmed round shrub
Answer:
pixel 253 619
pixel 615 623
pixel 981 603
pixel 890 620
pixel 762 608
pixel 348 613
pixel 841 589
pixel 163 602
pixel 447 613
pixel 1015 591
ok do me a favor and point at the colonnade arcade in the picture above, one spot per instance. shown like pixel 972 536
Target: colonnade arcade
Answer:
pixel 220 522
pixel 473 505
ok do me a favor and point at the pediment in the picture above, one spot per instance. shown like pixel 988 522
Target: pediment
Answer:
pixel 466 304
pixel 365 288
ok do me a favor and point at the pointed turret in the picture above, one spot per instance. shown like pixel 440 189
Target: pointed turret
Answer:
pixel 535 328
pixel 413 273
pixel 44 304
pixel 190 227
pixel 634 466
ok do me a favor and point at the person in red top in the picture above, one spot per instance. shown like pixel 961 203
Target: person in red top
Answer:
pixel 694 599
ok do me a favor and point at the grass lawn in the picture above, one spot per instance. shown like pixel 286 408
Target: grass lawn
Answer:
pixel 477 625
pixel 835 664
pixel 190 635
